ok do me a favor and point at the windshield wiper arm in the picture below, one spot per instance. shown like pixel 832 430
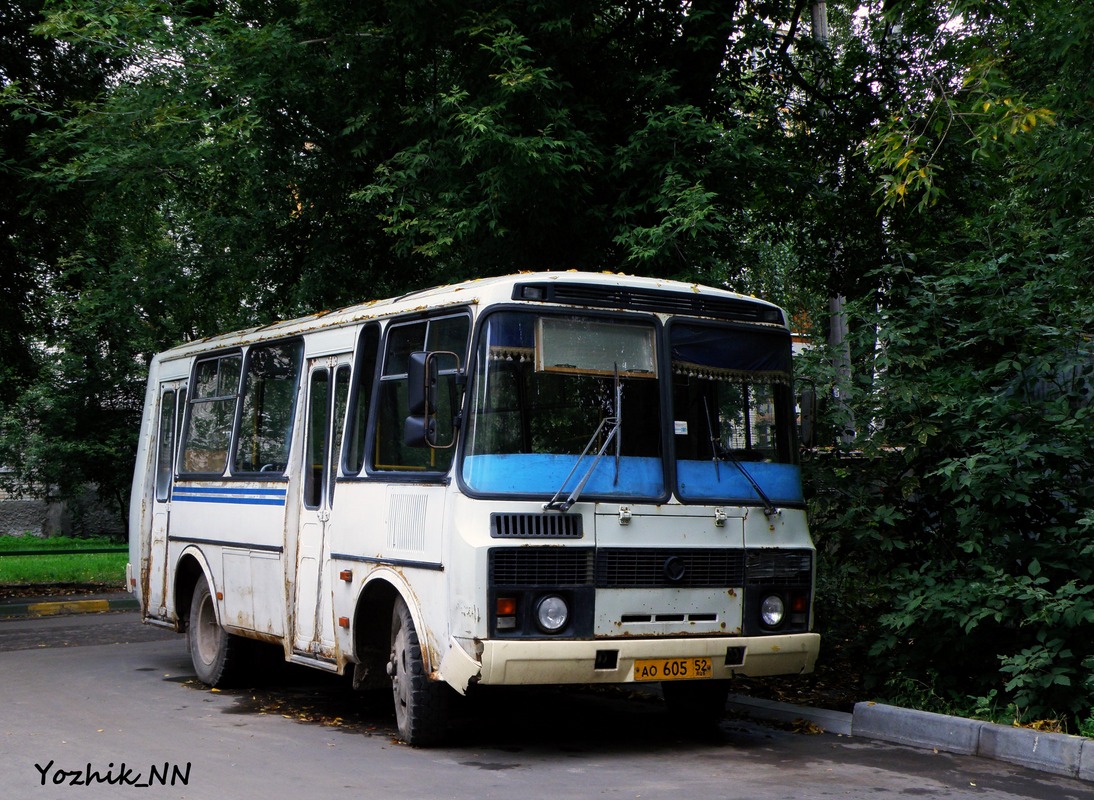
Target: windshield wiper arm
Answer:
pixel 554 504
pixel 617 432
pixel 616 422
pixel 719 454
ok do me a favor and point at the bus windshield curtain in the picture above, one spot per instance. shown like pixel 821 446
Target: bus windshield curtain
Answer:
pixel 740 351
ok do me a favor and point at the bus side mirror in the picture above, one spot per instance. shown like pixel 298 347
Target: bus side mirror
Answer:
pixel 420 428
pixel 422 384
pixel 808 421
pixel 420 432
pixel 423 428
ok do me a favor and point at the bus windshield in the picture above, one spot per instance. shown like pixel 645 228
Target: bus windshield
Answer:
pixel 563 403
pixel 733 415
pixel 573 405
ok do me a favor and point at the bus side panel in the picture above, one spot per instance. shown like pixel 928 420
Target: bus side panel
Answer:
pixel 246 524
pixel 396 527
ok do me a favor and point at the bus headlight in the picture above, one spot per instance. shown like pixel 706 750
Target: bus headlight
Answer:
pixel 772 611
pixel 552 614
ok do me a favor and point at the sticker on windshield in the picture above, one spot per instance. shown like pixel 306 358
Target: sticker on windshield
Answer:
pixel 680 427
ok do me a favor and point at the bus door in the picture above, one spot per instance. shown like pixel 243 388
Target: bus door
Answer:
pixel 328 391
pixel 172 403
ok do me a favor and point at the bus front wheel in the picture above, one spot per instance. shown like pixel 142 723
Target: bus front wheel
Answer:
pixel 420 704
pixel 217 655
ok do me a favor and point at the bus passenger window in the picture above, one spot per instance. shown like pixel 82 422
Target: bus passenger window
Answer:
pixel 361 399
pixel 165 456
pixel 212 411
pixel 269 399
pixel 315 447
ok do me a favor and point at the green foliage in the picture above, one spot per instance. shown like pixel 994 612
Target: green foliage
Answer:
pixel 979 518
pixel 195 168
pixel 31 235
pixel 983 378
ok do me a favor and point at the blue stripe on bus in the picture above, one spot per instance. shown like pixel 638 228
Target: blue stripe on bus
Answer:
pixel 707 481
pixel 240 496
pixel 698 481
pixel 544 473
pixel 226 490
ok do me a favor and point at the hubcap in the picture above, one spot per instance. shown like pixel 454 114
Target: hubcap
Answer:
pixel 397 671
pixel 208 633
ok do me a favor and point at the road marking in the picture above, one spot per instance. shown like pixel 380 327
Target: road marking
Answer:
pixel 71 607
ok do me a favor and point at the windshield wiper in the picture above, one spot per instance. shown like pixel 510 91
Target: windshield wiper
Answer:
pixel 616 433
pixel 719 454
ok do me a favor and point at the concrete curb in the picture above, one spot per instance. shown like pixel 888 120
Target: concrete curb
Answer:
pixel 837 722
pixel 916 728
pixel 1056 753
pixel 22 608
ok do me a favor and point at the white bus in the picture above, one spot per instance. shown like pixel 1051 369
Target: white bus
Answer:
pixel 552 478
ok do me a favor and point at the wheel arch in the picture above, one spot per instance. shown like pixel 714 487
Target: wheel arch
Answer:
pixel 372 617
pixel 191 566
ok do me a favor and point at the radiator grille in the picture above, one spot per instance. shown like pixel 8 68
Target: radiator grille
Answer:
pixel 631 568
pixel 541 566
pixel 647 568
pixel 780 567
pixel 535 526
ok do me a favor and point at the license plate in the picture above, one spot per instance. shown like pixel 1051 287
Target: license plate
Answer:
pixel 672 669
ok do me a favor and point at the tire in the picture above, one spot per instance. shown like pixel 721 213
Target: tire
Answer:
pixel 421 705
pixel 218 656
pixel 696 706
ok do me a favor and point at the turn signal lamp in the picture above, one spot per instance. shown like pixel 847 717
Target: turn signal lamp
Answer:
pixel 505 609
pixel 799 606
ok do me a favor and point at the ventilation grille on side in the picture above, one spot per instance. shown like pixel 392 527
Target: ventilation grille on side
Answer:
pixel 407 521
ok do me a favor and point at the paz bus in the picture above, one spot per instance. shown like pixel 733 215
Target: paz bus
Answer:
pixel 545 478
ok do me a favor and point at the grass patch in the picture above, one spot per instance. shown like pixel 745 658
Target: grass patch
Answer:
pixel 53 563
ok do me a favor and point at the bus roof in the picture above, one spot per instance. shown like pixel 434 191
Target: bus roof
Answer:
pixel 487 291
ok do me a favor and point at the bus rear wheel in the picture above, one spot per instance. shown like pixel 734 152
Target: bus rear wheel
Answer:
pixel 421 705
pixel 217 655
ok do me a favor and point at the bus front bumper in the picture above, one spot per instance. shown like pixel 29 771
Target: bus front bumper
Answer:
pixel 560 661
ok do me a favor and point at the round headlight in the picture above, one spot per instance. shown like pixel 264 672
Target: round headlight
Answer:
pixel 552 614
pixel 772 610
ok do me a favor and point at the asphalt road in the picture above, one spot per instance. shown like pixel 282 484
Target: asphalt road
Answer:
pixel 100 699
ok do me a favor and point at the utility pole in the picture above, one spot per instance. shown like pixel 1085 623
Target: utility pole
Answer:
pixel 820 23
pixel 838 343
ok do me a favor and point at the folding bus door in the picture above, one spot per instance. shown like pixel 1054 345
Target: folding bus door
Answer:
pixel 328 391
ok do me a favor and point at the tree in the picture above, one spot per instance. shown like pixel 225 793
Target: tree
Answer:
pixel 29 218
pixel 39 224
pixel 985 368
pixel 243 162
